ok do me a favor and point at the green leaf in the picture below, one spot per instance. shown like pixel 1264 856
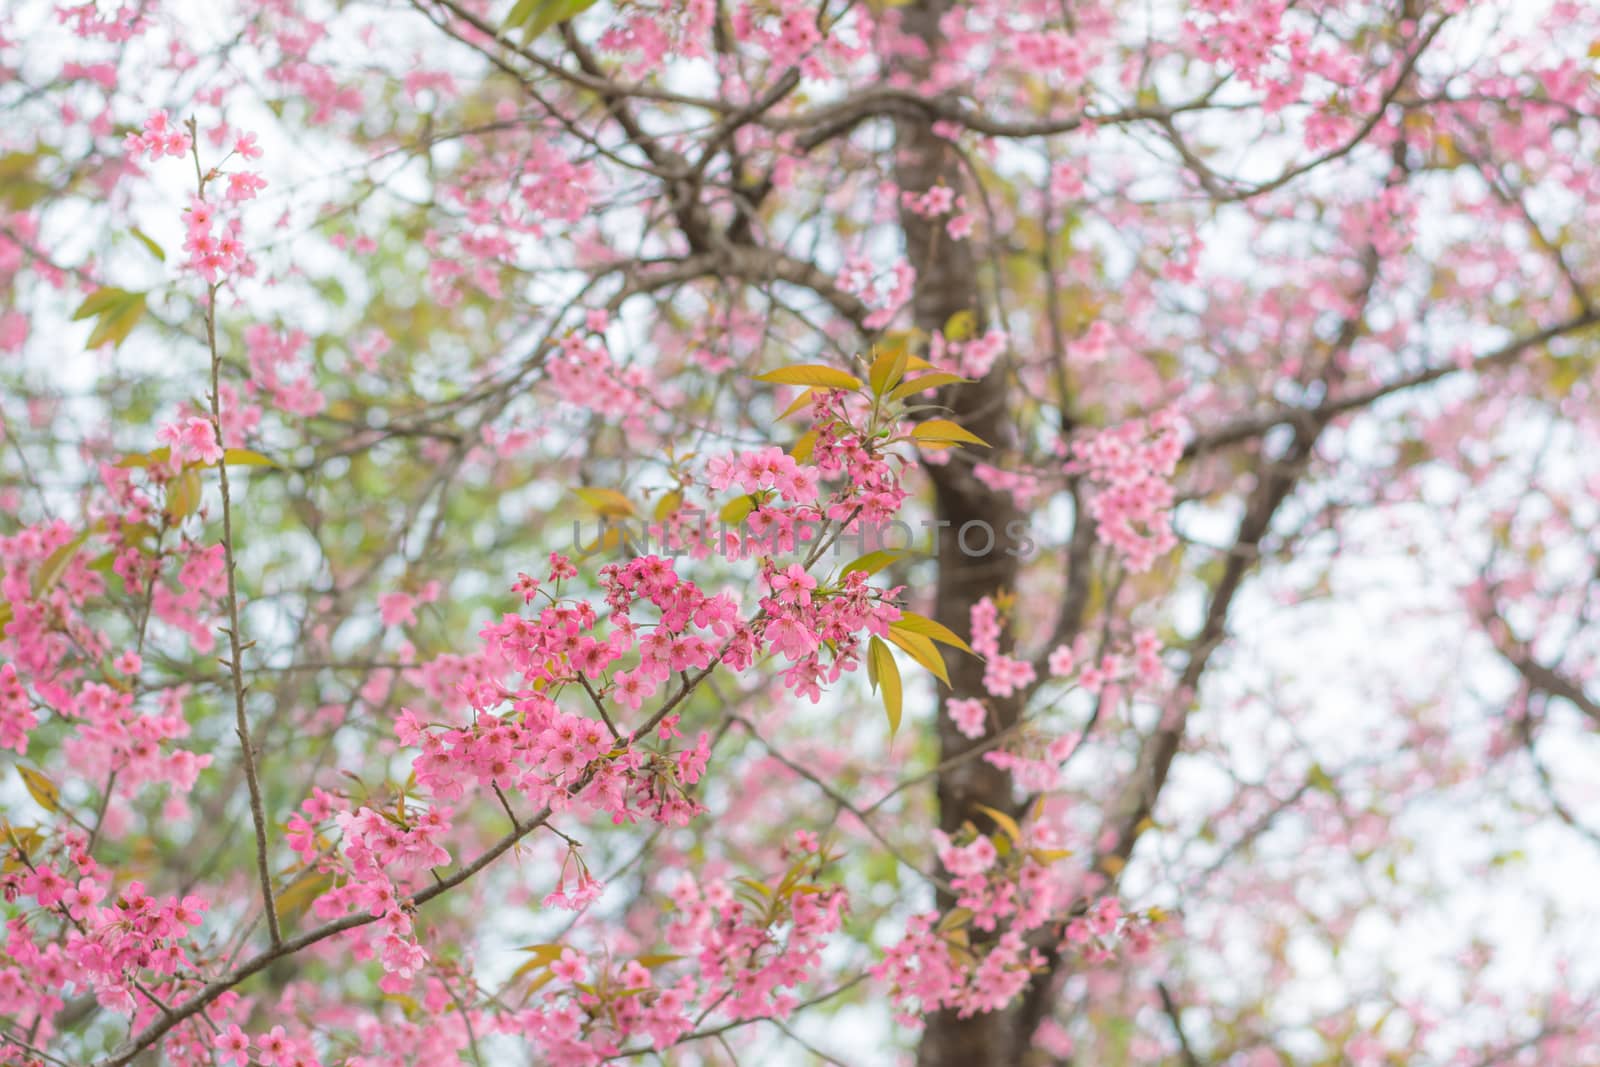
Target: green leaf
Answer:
pixel 546 953
pixel 1318 779
pixel 153 458
pixel 541 956
pixel 55 565
pixel 298 894
pixel 960 326
pixel 536 16
pixel 116 318
pixel 1004 821
pixel 873 562
pixel 887 370
pixel 885 673
pixel 145 239
pixel 100 301
pixel 922 383
pixel 20 186
pixel 668 506
pixel 922 650
pixel 801 451
pixel 656 959
pixel 813 374
pixel 942 433
pixel 911 622
pixel 907 341
pixel 183 494
pixel 41 789
pixel 803 401
pixel 244 457
pixel 1048 856
pixel 735 511
pixel 607 502
pixel 520 13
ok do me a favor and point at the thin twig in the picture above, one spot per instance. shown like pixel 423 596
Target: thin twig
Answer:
pixel 241 725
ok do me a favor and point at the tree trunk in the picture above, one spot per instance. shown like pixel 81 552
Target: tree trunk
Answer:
pixel 947 283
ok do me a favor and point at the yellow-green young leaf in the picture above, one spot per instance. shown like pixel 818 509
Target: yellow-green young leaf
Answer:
pixel 102 300
pixel 942 433
pixel 183 495
pixel 960 326
pixel 533 17
pixel 144 239
pixel 545 954
pixel 607 502
pixel 408 1005
pixel 520 13
pixel 873 562
pixel 116 316
pixel 41 789
pixel 610 540
pixel 668 505
pixel 911 622
pixel 802 448
pixel 154 458
pixel 1002 820
pixel 20 187
pixel 6 613
pixel 556 11
pixel 813 374
pixel 656 959
pixel 25 839
pixel 954 919
pixel 244 457
pixel 541 956
pixel 887 370
pixel 881 662
pixel 55 565
pixel 1048 856
pixel 922 650
pixel 298 894
pixel 735 511
pixel 136 533
pixel 923 382
pixel 1318 779
pixel 540 982
pixel 527 967
pixel 803 401
pixel 906 341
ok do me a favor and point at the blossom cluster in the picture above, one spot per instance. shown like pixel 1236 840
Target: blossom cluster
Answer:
pixel 1130 465
pixel 1010 906
pixel 750 944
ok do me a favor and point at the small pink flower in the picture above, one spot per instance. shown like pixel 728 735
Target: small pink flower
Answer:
pixel 233 1046
pixel 274 1048
pixel 245 185
pixel 968 715
pixel 570 967
pixel 398 609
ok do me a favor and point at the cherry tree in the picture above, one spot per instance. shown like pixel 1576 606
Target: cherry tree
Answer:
pixel 944 531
